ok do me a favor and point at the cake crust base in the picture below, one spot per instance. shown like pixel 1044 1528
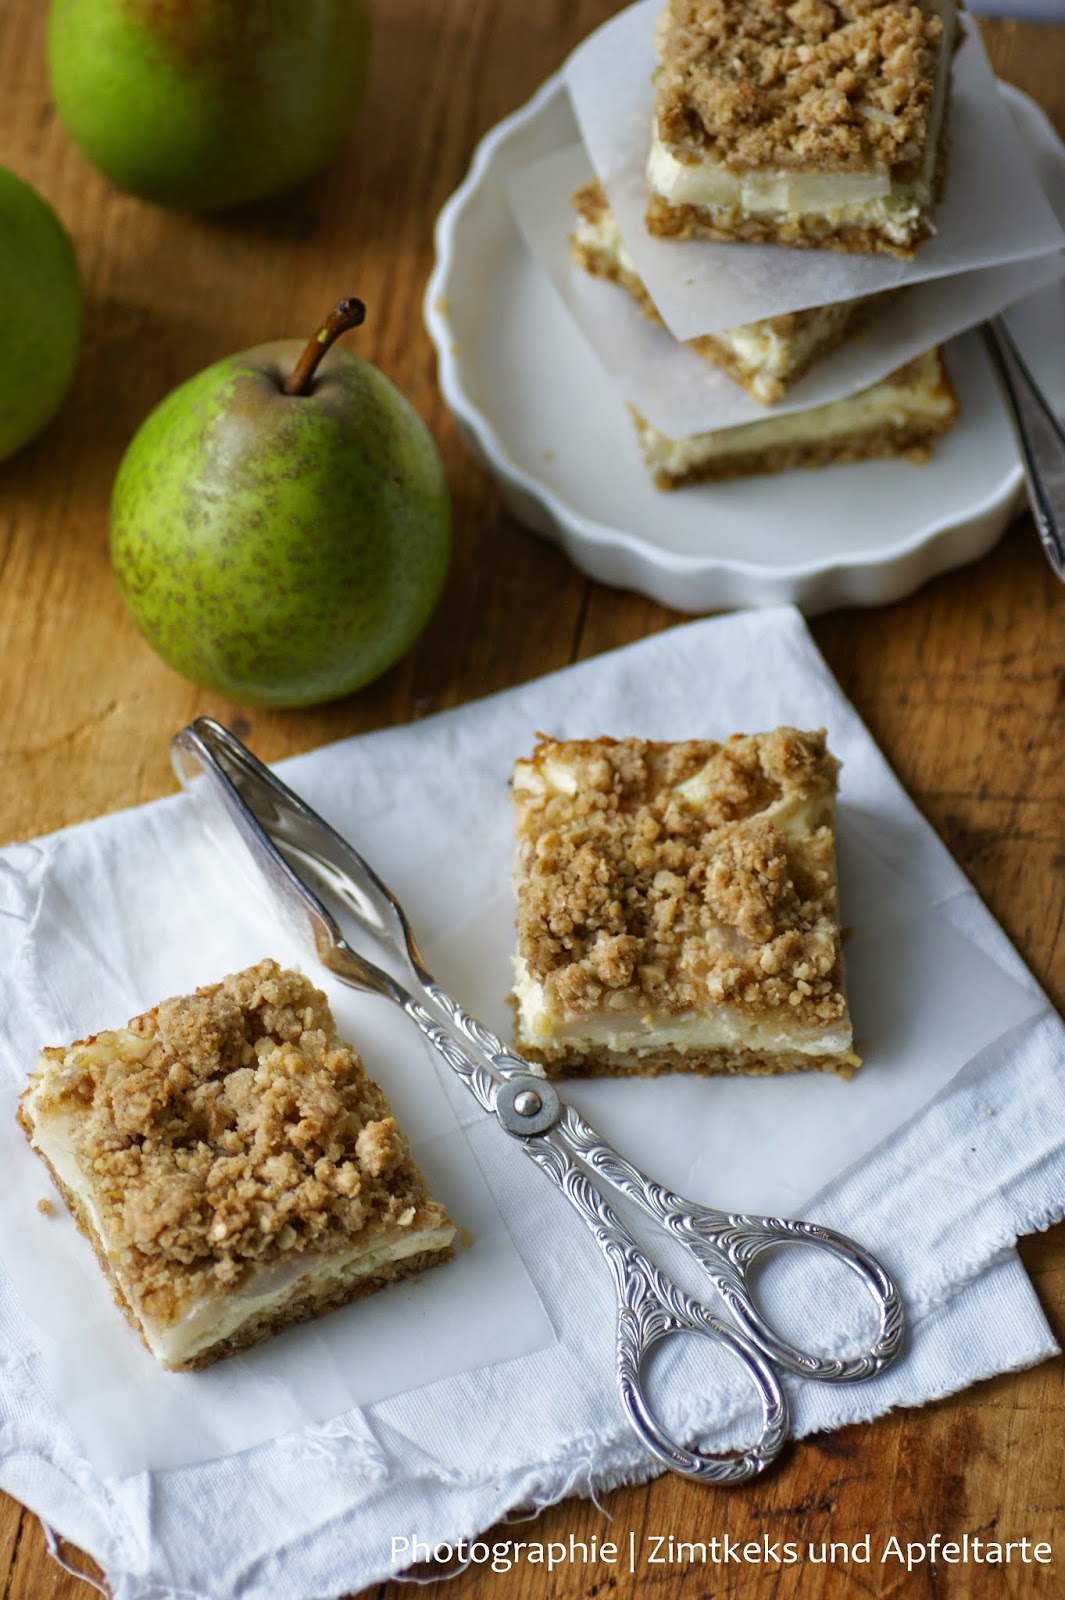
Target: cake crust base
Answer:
pixel 716 1063
pixel 913 444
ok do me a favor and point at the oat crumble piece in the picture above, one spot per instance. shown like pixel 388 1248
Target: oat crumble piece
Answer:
pixel 677 906
pixel 838 85
pixel 226 1146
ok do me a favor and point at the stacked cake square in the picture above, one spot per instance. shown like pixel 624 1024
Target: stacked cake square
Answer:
pixel 816 125
pixel 797 157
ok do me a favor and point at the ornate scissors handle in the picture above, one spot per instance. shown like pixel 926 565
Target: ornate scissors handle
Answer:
pixel 727 1244
pixel 652 1309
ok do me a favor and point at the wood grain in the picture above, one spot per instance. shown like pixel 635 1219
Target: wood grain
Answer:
pixel 962 685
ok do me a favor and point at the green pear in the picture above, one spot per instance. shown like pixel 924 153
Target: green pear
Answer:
pixel 203 104
pixel 280 524
pixel 40 313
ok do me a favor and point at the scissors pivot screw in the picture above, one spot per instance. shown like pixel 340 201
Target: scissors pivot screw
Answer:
pixel 527 1105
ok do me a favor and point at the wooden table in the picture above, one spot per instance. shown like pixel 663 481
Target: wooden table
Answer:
pixel 961 685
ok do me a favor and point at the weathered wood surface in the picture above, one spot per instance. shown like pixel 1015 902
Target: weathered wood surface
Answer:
pixel 961 684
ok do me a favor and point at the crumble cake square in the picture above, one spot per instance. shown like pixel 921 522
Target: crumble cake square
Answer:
pixel 232 1164
pixel 820 123
pixel 677 907
pixel 902 415
pixel 766 357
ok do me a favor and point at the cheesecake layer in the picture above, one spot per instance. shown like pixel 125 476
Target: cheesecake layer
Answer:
pixel 729 1038
pixel 767 357
pixel 677 907
pixel 822 123
pixel 232 1165
pixel 902 415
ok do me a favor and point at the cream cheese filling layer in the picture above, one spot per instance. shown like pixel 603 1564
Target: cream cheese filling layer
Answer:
pixel 53 1139
pixel 723 1027
pixel 885 404
pixel 758 348
pixel 865 199
pixel 711 185
pixel 216 1317
pixel 755 345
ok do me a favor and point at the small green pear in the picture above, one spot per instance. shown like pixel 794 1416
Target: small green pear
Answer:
pixel 280 524
pixel 40 313
pixel 204 104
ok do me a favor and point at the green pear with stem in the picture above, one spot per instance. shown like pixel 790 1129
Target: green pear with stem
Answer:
pixel 280 524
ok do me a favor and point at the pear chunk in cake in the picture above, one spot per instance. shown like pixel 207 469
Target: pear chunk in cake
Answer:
pixel 232 1164
pixel 677 907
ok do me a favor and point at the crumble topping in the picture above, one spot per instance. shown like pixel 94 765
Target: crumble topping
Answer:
pixel 839 85
pixel 680 874
pixel 226 1130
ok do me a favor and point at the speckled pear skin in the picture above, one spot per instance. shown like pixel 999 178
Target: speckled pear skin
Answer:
pixel 206 104
pixel 281 550
pixel 40 313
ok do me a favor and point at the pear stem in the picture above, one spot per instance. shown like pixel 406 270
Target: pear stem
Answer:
pixel 344 315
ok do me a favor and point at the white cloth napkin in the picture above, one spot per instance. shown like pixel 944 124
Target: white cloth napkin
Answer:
pixel 314 1512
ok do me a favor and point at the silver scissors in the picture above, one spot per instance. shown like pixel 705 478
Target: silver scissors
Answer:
pixel 1040 439
pixel 240 800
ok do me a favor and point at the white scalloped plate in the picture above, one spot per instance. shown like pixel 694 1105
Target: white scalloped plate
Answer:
pixel 537 409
